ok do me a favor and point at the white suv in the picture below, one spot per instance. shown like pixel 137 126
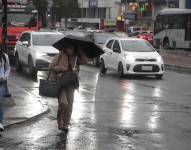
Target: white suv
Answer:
pixel 35 50
pixel 131 56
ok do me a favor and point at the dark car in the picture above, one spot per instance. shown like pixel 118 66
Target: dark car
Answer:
pixel 99 39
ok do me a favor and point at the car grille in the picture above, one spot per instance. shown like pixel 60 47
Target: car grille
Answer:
pixel 51 54
pixel 11 38
pixel 138 68
pixel 142 60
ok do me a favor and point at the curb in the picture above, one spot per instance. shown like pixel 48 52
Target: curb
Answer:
pixel 18 121
pixel 27 120
pixel 178 68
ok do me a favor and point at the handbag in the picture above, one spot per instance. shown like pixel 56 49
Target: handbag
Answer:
pixel 48 87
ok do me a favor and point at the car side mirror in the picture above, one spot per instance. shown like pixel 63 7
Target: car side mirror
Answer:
pixel 158 50
pixel 25 43
pixel 117 50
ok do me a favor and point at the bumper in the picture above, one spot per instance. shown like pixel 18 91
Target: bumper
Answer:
pixel 144 69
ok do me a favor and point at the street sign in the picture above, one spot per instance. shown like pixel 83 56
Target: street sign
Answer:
pixel 130 16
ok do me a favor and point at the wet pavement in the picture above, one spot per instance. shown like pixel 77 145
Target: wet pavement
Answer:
pixel 136 113
pixel 22 106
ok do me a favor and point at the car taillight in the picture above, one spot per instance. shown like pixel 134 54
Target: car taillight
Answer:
pixel 17 37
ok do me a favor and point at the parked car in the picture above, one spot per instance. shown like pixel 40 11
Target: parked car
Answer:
pixel 133 31
pixel 148 36
pixel 131 56
pixel 99 39
pixel 35 50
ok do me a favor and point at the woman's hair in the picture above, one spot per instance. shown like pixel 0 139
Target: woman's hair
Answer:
pixel 1 53
pixel 68 45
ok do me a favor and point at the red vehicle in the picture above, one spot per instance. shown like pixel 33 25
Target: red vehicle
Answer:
pixel 148 36
pixel 19 19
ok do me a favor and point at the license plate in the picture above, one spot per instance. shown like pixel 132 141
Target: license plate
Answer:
pixel 147 68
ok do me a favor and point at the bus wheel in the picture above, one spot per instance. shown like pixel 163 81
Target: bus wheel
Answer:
pixel 166 43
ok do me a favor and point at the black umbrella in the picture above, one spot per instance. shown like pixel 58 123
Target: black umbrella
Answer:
pixel 87 45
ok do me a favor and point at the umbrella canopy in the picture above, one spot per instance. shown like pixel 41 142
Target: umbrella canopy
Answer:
pixel 87 45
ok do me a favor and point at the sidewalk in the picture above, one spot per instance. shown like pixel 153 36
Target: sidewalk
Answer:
pixel 22 106
pixel 179 60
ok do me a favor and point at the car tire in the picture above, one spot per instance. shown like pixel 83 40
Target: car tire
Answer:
pixel 97 62
pixel 166 44
pixel 120 70
pixel 159 76
pixel 102 67
pixel 32 69
pixel 18 65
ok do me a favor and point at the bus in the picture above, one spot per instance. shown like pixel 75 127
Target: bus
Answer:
pixel 172 29
pixel 19 19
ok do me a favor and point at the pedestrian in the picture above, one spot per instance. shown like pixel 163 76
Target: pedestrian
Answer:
pixel 4 74
pixel 68 60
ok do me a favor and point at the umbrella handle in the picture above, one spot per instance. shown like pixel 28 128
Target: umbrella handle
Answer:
pixel 74 68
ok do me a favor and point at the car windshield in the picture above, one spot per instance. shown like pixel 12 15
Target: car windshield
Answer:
pixel 45 39
pixel 101 39
pixel 136 46
pixel 21 19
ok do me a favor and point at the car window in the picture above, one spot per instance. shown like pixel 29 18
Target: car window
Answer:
pixel 136 46
pixel 25 37
pixel 109 44
pixel 116 46
pixel 102 38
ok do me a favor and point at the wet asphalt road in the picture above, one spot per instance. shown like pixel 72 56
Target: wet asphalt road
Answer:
pixel 112 114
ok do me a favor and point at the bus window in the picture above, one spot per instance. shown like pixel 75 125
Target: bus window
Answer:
pixel 188 29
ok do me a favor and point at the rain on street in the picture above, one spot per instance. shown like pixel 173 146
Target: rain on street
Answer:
pixel 110 113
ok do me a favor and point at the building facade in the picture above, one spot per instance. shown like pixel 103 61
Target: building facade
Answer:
pixel 107 13
pixel 97 12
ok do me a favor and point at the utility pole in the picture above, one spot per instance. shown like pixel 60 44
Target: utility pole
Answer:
pixel 82 14
pixel 4 37
pixel 4 25
pixel 167 3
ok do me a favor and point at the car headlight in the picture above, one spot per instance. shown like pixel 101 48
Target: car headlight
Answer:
pixel 129 58
pixel 159 59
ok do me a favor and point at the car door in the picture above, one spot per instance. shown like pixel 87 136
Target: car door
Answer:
pixel 116 52
pixel 20 47
pixel 108 52
pixel 26 48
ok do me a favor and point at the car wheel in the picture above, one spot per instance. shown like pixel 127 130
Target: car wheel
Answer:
pixel 166 44
pixel 18 64
pixel 120 70
pixel 159 76
pixel 102 67
pixel 97 61
pixel 32 70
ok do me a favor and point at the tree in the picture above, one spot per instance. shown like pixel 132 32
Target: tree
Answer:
pixel 41 6
pixel 66 9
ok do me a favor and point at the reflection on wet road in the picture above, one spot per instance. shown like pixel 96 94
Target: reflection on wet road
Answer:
pixel 113 114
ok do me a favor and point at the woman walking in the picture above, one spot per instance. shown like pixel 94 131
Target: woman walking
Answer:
pixel 68 60
pixel 4 74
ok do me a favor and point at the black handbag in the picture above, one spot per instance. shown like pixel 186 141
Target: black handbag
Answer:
pixel 48 88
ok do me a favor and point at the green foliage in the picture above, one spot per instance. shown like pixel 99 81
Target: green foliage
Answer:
pixel 66 8
pixel 41 5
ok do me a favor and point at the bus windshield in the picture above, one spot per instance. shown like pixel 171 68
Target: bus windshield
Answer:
pixel 21 19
